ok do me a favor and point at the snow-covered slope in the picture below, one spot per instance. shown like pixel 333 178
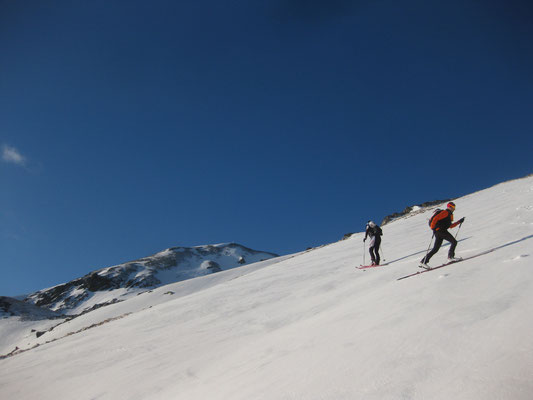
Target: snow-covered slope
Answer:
pixel 117 283
pixel 20 333
pixel 312 326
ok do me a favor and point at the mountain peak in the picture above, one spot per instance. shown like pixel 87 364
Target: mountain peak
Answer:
pixel 168 266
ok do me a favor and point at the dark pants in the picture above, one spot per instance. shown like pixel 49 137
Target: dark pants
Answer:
pixel 374 250
pixel 439 237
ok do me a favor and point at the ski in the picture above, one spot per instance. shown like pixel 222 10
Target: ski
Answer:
pixel 442 265
pixel 445 264
pixel 370 266
pixel 428 269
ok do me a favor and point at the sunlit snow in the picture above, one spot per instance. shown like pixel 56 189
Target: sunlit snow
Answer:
pixel 311 325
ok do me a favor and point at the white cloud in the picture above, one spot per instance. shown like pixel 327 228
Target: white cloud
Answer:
pixel 12 155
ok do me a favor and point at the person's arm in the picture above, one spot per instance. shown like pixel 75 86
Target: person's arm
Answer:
pixel 458 222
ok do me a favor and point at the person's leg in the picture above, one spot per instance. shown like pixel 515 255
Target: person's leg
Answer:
pixel 376 249
pixel 371 249
pixel 453 243
pixel 372 255
pixel 436 247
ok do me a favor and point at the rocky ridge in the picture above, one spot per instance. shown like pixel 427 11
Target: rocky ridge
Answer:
pixel 115 283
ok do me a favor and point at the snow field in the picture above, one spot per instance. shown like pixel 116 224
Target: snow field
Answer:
pixel 313 326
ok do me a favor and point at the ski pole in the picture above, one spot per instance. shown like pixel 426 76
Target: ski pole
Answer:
pixel 382 255
pixel 461 224
pixel 364 251
pixel 427 251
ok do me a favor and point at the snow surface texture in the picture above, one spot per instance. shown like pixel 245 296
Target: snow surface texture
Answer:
pixel 312 326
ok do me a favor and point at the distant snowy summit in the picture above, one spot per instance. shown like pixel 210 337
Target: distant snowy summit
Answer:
pixel 116 283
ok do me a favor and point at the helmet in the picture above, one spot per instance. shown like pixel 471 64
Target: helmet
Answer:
pixel 371 224
pixel 451 206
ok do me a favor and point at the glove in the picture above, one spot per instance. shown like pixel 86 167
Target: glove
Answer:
pixel 461 220
pixel 364 240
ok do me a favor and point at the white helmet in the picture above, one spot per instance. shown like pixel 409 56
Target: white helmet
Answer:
pixel 371 224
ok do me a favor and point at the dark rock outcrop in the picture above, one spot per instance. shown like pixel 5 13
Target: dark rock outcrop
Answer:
pixel 169 266
pixel 408 210
pixel 10 307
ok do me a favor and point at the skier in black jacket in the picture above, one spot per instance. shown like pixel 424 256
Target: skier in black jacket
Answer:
pixel 375 232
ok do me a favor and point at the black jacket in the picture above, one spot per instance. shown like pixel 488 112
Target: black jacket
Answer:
pixel 373 231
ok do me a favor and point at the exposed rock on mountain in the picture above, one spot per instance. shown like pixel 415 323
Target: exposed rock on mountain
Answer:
pixel 409 210
pixel 10 307
pixel 117 282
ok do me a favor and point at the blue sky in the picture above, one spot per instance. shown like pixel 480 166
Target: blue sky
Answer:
pixel 127 127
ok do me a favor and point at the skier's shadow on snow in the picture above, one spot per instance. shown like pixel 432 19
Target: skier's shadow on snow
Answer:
pixel 425 251
pixel 511 243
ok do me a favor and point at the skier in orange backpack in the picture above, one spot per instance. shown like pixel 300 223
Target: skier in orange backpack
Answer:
pixel 440 223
